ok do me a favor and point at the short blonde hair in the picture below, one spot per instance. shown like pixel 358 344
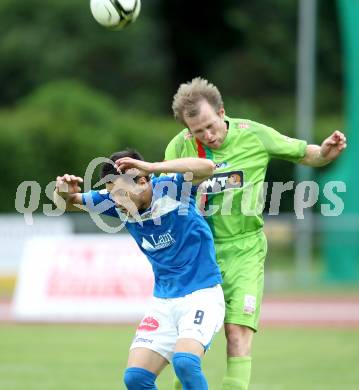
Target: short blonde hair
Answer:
pixel 188 95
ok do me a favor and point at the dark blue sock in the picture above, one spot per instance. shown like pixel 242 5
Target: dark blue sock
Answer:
pixel 136 378
pixel 188 370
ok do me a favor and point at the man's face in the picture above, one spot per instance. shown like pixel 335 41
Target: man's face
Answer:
pixel 208 126
pixel 126 194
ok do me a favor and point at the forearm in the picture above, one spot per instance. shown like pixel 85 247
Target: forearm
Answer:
pixel 59 201
pixel 313 157
pixel 200 167
pixel 67 202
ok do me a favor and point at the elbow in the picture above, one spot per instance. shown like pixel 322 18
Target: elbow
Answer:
pixel 210 168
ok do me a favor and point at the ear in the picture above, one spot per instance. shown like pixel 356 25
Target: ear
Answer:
pixel 142 180
pixel 109 186
pixel 221 112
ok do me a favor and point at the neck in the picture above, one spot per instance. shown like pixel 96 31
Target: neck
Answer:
pixel 146 199
pixel 224 131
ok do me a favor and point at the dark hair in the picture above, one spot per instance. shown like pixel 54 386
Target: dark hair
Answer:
pixel 108 168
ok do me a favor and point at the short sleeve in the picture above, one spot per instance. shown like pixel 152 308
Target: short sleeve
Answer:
pixel 100 203
pixel 280 146
pixel 175 186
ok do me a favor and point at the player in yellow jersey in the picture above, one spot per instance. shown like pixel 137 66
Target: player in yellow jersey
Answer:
pixel 241 150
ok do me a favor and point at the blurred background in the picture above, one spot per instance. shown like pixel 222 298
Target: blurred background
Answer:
pixel 72 90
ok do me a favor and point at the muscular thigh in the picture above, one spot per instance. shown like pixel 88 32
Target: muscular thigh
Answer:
pixel 190 346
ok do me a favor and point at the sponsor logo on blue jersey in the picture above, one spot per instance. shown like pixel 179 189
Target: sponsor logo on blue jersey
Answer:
pixel 152 243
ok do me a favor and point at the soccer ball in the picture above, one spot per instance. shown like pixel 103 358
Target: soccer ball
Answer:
pixel 115 14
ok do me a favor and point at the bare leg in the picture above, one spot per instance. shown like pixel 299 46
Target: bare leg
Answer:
pixel 239 346
pixel 239 340
pixel 191 346
pixel 147 359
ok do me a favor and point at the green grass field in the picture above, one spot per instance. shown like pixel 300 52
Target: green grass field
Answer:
pixel 74 357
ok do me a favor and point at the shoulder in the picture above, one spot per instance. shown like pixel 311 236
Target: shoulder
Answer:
pixel 168 178
pixel 174 185
pixel 180 138
pixel 246 125
pixel 273 142
pixel 180 144
pixel 250 129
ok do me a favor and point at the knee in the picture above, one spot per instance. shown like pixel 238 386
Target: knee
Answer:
pixel 239 340
pixel 136 378
pixel 181 365
pixel 186 365
pixel 130 378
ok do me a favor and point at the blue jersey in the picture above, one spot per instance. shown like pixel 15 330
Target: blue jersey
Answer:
pixel 173 235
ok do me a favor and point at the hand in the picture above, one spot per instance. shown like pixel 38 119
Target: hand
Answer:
pixel 133 166
pixel 68 184
pixel 333 146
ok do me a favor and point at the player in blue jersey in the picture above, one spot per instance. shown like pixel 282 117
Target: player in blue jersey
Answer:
pixel 161 215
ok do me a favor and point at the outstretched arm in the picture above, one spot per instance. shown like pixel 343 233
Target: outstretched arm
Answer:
pixel 201 168
pixel 331 148
pixel 67 195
